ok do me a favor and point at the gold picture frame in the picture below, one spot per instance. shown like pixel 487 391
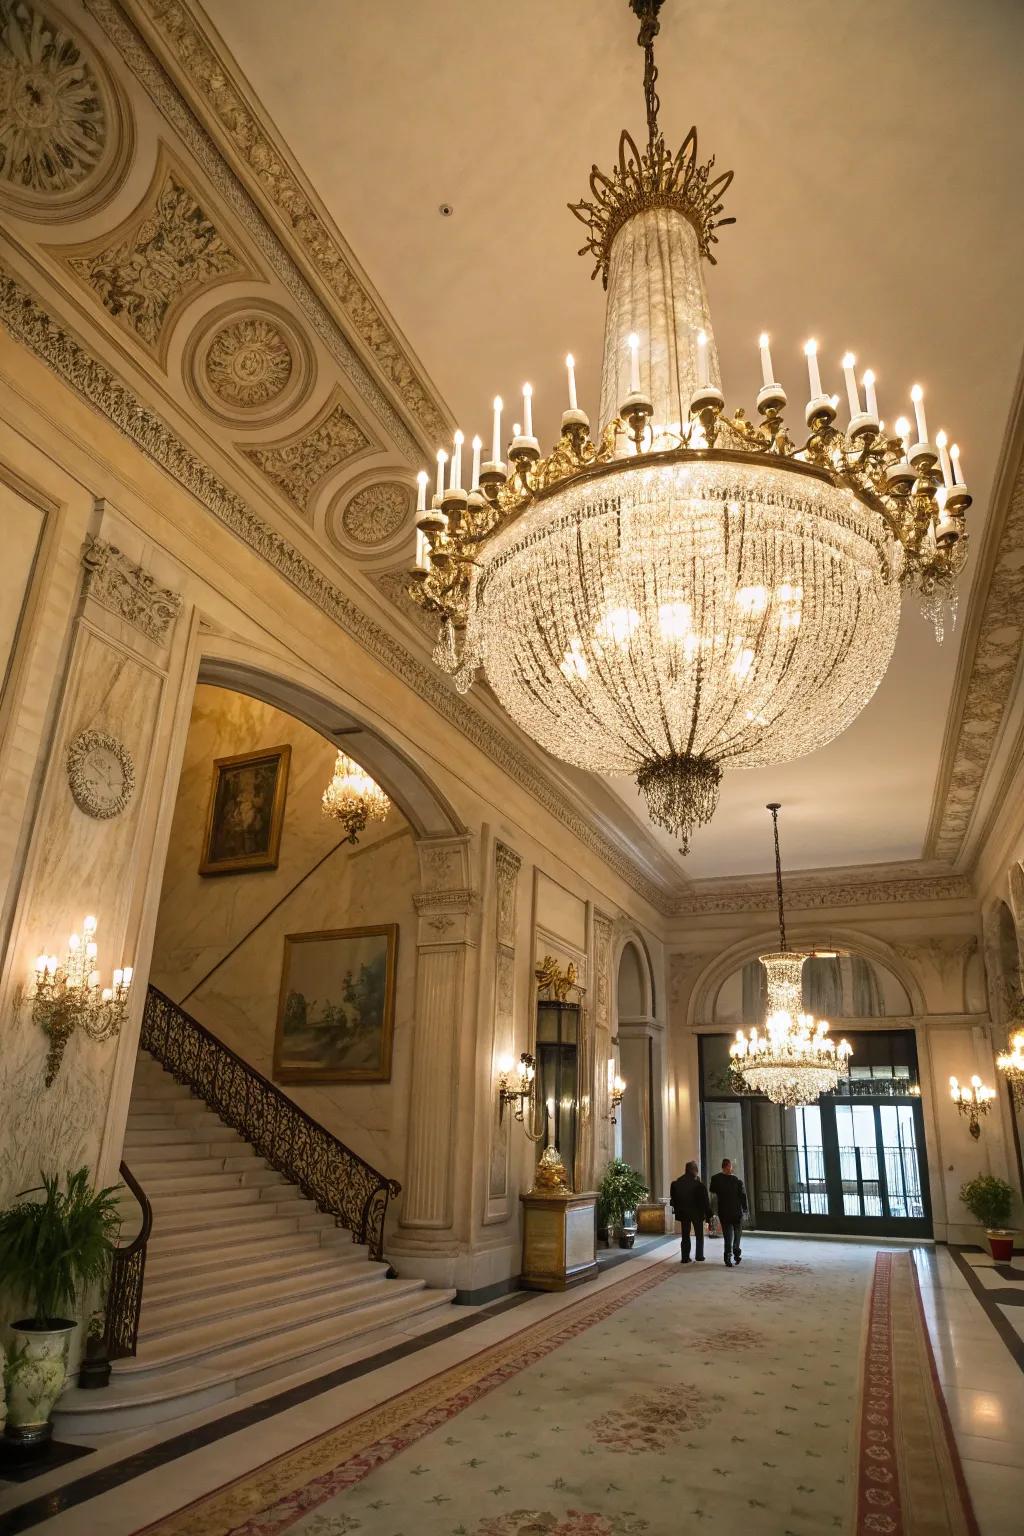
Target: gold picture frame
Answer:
pixel 246 812
pixel 336 1009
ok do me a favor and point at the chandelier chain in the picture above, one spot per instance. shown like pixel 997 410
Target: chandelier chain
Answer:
pixel 647 11
pixel 775 808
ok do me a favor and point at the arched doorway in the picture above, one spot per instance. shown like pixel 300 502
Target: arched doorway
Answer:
pixel 852 1162
pixel 640 1062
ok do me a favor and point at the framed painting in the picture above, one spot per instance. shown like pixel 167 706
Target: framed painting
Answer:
pixel 335 1015
pixel 243 824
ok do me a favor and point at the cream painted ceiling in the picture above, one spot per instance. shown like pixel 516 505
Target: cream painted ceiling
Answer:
pixel 877 151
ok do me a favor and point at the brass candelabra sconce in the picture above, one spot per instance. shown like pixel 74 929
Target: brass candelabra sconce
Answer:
pixel 67 996
pixel 1011 1063
pixel 517 1085
pixel 616 1094
pixel 972 1100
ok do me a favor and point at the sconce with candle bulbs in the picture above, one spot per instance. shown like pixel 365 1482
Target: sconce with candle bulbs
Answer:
pixel 616 1092
pixel 65 997
pixel 972 1100
pixel 517 1085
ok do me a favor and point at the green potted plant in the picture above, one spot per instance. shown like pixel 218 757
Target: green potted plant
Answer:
pixel 989 1201
pixel 51 1251
pixel 619 1193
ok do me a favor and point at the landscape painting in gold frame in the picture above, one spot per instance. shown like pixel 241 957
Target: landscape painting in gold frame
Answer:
pixel 246 813
pixel 336 1011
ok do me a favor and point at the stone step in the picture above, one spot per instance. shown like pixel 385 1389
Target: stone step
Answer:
pixel 192 1157
pixel 192 1118
pixel 211 1184
pixel 321 1313
pixel 171 1275
pixel 132 1401
pixel 225 1227
pixel 324 1278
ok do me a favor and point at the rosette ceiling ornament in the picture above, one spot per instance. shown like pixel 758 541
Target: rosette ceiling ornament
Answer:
pixel 684 591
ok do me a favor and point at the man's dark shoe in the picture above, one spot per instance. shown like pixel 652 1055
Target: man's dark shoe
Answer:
pixel 728 1263
pixel 700 1258
pixel 737 1257
pixel 686 1261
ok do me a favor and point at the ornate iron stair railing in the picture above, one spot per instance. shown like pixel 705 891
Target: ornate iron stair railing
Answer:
pixel 127 1270
pixel 342 1184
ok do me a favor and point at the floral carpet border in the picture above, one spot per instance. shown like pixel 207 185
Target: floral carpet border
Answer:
pixel 275 1495
pixel 907 1457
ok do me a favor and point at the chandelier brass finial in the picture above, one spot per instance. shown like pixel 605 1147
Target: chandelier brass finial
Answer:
pixel 655 178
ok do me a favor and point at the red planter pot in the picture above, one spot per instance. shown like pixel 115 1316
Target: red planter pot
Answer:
pixel 1001 1245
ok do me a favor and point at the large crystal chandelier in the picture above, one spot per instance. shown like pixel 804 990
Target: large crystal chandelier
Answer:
pixel 794 1061
pixel 685 591
pixel 353 798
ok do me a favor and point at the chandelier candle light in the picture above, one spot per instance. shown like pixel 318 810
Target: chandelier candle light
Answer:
pixel 353 798
pixel 794 1061
pixel 684 592
pixel 972 1101
pixel 68 996
pixel 1011 1063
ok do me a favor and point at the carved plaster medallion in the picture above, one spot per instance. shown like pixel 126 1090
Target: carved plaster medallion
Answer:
pixel 128 590
pixel 377 512
pixel 101 774
pixel 248 365
pixel 63 128
pixel 162 256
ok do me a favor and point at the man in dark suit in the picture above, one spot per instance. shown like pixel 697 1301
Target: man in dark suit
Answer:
pixel 692 1208
pixel 731 1199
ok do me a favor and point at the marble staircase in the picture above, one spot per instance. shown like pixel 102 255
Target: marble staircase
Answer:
pixel 246 1281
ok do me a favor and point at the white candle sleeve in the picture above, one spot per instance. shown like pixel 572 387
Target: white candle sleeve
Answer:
pixel 767 376
pixel 496 435
pixel 813 376
pixel 475 479
pixel 527 410
pixel 917 395
pixel 869 391
pixel 852 393
pixel 570 365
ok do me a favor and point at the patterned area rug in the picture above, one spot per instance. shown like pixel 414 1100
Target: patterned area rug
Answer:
pixel 772 1400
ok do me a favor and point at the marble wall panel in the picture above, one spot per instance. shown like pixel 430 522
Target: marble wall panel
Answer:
pixel 22 522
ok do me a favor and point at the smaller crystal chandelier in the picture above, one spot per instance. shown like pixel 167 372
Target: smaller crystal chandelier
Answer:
pixel 1011 1063
pixel 795 1061
pixel 972 1101
pixel 68 997
pixel 353 798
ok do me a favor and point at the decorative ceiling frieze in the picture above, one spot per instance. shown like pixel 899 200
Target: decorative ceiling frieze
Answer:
pixel 990 659
pixel 65 130
pixel 260 161
pixel 299 464
pixel 761 896
pixel 377 512
pixel 161 257
pixel 47 337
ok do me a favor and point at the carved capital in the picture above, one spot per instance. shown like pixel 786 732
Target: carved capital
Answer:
pixel 128 590
pixel 506 870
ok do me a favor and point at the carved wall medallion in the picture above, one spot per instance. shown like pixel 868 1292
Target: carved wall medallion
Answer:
pixel 377 512
pixel 158 260
pixel 101 774
pixel 248 365
pixel 128 590
pixel 299 465
pixel 63 127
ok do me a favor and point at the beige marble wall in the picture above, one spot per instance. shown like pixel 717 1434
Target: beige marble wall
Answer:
pixel 219 941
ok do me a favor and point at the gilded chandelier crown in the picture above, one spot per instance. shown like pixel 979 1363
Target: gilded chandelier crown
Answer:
pixel 653 179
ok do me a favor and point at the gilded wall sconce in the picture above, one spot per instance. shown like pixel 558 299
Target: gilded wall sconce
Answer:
pixel 1011 1063
pixel 617 1090
pixel 972 1100
pixel 65 997
pixel 517 1085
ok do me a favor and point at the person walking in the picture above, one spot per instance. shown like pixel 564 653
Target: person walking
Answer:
pixel 692 1208
pixel 731 1200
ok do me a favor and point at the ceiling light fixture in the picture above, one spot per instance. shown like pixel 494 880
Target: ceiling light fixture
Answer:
pixel 795 1061
pixel 685 592
pixel 353 798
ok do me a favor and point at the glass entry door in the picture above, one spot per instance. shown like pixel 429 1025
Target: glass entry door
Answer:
pixel 840 1166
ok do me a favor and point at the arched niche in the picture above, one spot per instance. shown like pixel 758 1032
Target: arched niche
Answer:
pixel 634 986
pixel 640 1060
pixel 422 804
pixel 1009 953
pixel 846 985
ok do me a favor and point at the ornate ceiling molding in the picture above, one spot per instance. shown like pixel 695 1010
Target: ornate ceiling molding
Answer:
pixel 264 161
pixel 157 260
pixel 760 896
pixel 128 590
pixel 375 513
pixel 66 134
pixel 990 656
pixel 95 382
pixel 247 364
pixel 299 464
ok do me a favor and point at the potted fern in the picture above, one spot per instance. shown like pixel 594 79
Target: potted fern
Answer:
pixel 989 1201
pixel 52 1250
pixel 619 1193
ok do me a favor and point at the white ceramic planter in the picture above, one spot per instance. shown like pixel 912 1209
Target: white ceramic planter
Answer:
pixel 37 1369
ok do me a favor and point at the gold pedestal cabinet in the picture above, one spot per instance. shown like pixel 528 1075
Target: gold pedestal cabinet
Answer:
pixel 559 1240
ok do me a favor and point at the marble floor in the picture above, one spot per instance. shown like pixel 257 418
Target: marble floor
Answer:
pixel 125 1484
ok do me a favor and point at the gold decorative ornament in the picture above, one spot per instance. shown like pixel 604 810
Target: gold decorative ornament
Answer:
pixel 551 978
pixel 550 1177
pixel 65 997
pixel 794 1061
pixel 516 1085
pixel 353 798
pixel 972 1101
pixel 1011 1064
pixel 616 1095
pixel 684 592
